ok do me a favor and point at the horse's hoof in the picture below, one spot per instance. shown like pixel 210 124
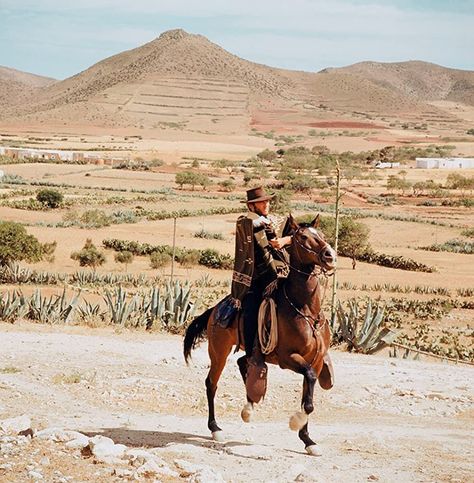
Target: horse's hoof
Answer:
pixel 218 436
pixel 246 413
pixel 314 450
pixel 298 420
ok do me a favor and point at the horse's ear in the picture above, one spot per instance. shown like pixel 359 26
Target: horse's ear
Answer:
pixel 292 223
pixel 315 222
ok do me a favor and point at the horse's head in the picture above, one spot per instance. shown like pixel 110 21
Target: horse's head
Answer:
pixel 309 246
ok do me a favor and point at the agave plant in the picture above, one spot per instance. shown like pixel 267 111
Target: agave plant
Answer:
pixel 362 332
pixel 52 310
pixel 89 311
pixel 178 307
pixel 12 306
pixel 122 312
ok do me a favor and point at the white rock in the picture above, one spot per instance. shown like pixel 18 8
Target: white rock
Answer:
pixel 59 435
pixel 34 475
pixel 199 473
pixel 138 457
pixel 15 425
pixel 108 453
pixel 81 442
pixel 99 439
pixel 206 475
pixel 153 468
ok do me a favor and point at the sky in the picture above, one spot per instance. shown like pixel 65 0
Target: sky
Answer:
pixel 60 38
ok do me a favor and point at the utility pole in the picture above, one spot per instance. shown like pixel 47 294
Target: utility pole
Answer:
pixel 174 249
pixel 336 239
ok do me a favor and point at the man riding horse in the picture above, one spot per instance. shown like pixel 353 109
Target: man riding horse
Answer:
pixel 260 260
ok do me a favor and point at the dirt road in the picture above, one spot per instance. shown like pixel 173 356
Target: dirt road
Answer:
pixel 385 420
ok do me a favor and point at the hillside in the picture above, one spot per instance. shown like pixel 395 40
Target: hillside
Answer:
pixel 182 81
pixel 17 86
pixel 417 80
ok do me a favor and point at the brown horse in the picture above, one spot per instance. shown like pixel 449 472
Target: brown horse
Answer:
pixel 303 332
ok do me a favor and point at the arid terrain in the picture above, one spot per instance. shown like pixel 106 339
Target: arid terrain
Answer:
pixel 181 105
pixel 385 419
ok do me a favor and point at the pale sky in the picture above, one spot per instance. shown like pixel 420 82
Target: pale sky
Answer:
pixel 60 38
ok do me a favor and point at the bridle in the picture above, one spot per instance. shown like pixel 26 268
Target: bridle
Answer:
pixel 320 268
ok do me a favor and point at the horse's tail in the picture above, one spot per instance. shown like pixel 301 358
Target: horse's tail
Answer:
pixel 195 333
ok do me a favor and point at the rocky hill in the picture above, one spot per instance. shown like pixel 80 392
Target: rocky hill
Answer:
pixel 17 86
pixel 417 80
pixel 183 81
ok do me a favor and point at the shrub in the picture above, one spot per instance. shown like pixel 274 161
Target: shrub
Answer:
pixel 202 233
pixel 124 257
pixel 17 245
pixel 89 256
pixel 159 259
pixel 50 197
pixel 454 246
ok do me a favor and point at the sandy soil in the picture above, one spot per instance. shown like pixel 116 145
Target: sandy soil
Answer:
pixel 385 419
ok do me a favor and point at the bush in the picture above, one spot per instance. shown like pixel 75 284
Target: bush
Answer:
pixel 89 256
pixel 49 197
pixel 124 257
pixel 159 260
pixel 17 245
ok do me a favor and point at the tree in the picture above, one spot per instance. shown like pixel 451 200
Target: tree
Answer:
pixel 353 237
pixel 124 257
pixel 159 259
pixel 267 155
pixel 227 185
pixel 89 256
pixel 192 178
pixel 49 197
pixel 17 245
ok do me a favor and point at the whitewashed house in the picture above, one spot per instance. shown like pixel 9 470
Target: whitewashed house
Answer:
pixel 445 163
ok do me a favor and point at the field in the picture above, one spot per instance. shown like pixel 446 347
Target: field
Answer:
pixel 387 419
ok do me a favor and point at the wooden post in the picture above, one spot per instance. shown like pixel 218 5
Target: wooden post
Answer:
pixel 174 249
pixel 336 238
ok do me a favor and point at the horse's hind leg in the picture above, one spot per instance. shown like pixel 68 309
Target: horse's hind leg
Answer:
pixel 247 410
pixel 218 360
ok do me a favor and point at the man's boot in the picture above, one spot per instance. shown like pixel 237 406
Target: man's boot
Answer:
pixel 256 380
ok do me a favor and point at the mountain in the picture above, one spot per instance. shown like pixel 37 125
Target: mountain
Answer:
pixel 183 81
pixel 17 86
pixel 416 79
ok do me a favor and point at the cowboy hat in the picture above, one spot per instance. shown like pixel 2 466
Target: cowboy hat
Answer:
pixel 257 194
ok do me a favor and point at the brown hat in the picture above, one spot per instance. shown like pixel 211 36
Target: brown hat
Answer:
pixel 257 194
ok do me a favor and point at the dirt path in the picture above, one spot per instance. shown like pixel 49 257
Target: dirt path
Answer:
pixel 385 420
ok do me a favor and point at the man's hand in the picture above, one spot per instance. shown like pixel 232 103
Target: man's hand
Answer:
pixel 279 243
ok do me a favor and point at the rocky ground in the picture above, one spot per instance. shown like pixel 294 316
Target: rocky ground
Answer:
pixel 96 405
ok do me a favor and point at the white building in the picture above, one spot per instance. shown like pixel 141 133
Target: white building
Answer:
pixel 445 163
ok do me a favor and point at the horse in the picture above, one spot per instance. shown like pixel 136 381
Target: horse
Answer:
pixel 303 332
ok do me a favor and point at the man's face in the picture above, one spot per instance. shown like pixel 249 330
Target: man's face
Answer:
pixel 262 207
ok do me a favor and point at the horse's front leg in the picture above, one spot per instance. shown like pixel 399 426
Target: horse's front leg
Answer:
pixel 299 420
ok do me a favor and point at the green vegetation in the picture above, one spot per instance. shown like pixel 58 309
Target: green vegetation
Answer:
pixel 208 235
pixel 207 257
pixel 125 258
pixel 193 179
pixel 50 197
pixel 454 246
pixel 89 256
pixel 159 259
pixel 17 245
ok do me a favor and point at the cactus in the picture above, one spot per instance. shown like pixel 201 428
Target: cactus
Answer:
pixel 362 333
pixel 54 310
pixel 12 306
pixel 121 312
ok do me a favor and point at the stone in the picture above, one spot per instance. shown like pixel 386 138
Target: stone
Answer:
pixel 34 475
pixel 151 468
pixel 16 425
pixel 80 442
pixel 58 435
